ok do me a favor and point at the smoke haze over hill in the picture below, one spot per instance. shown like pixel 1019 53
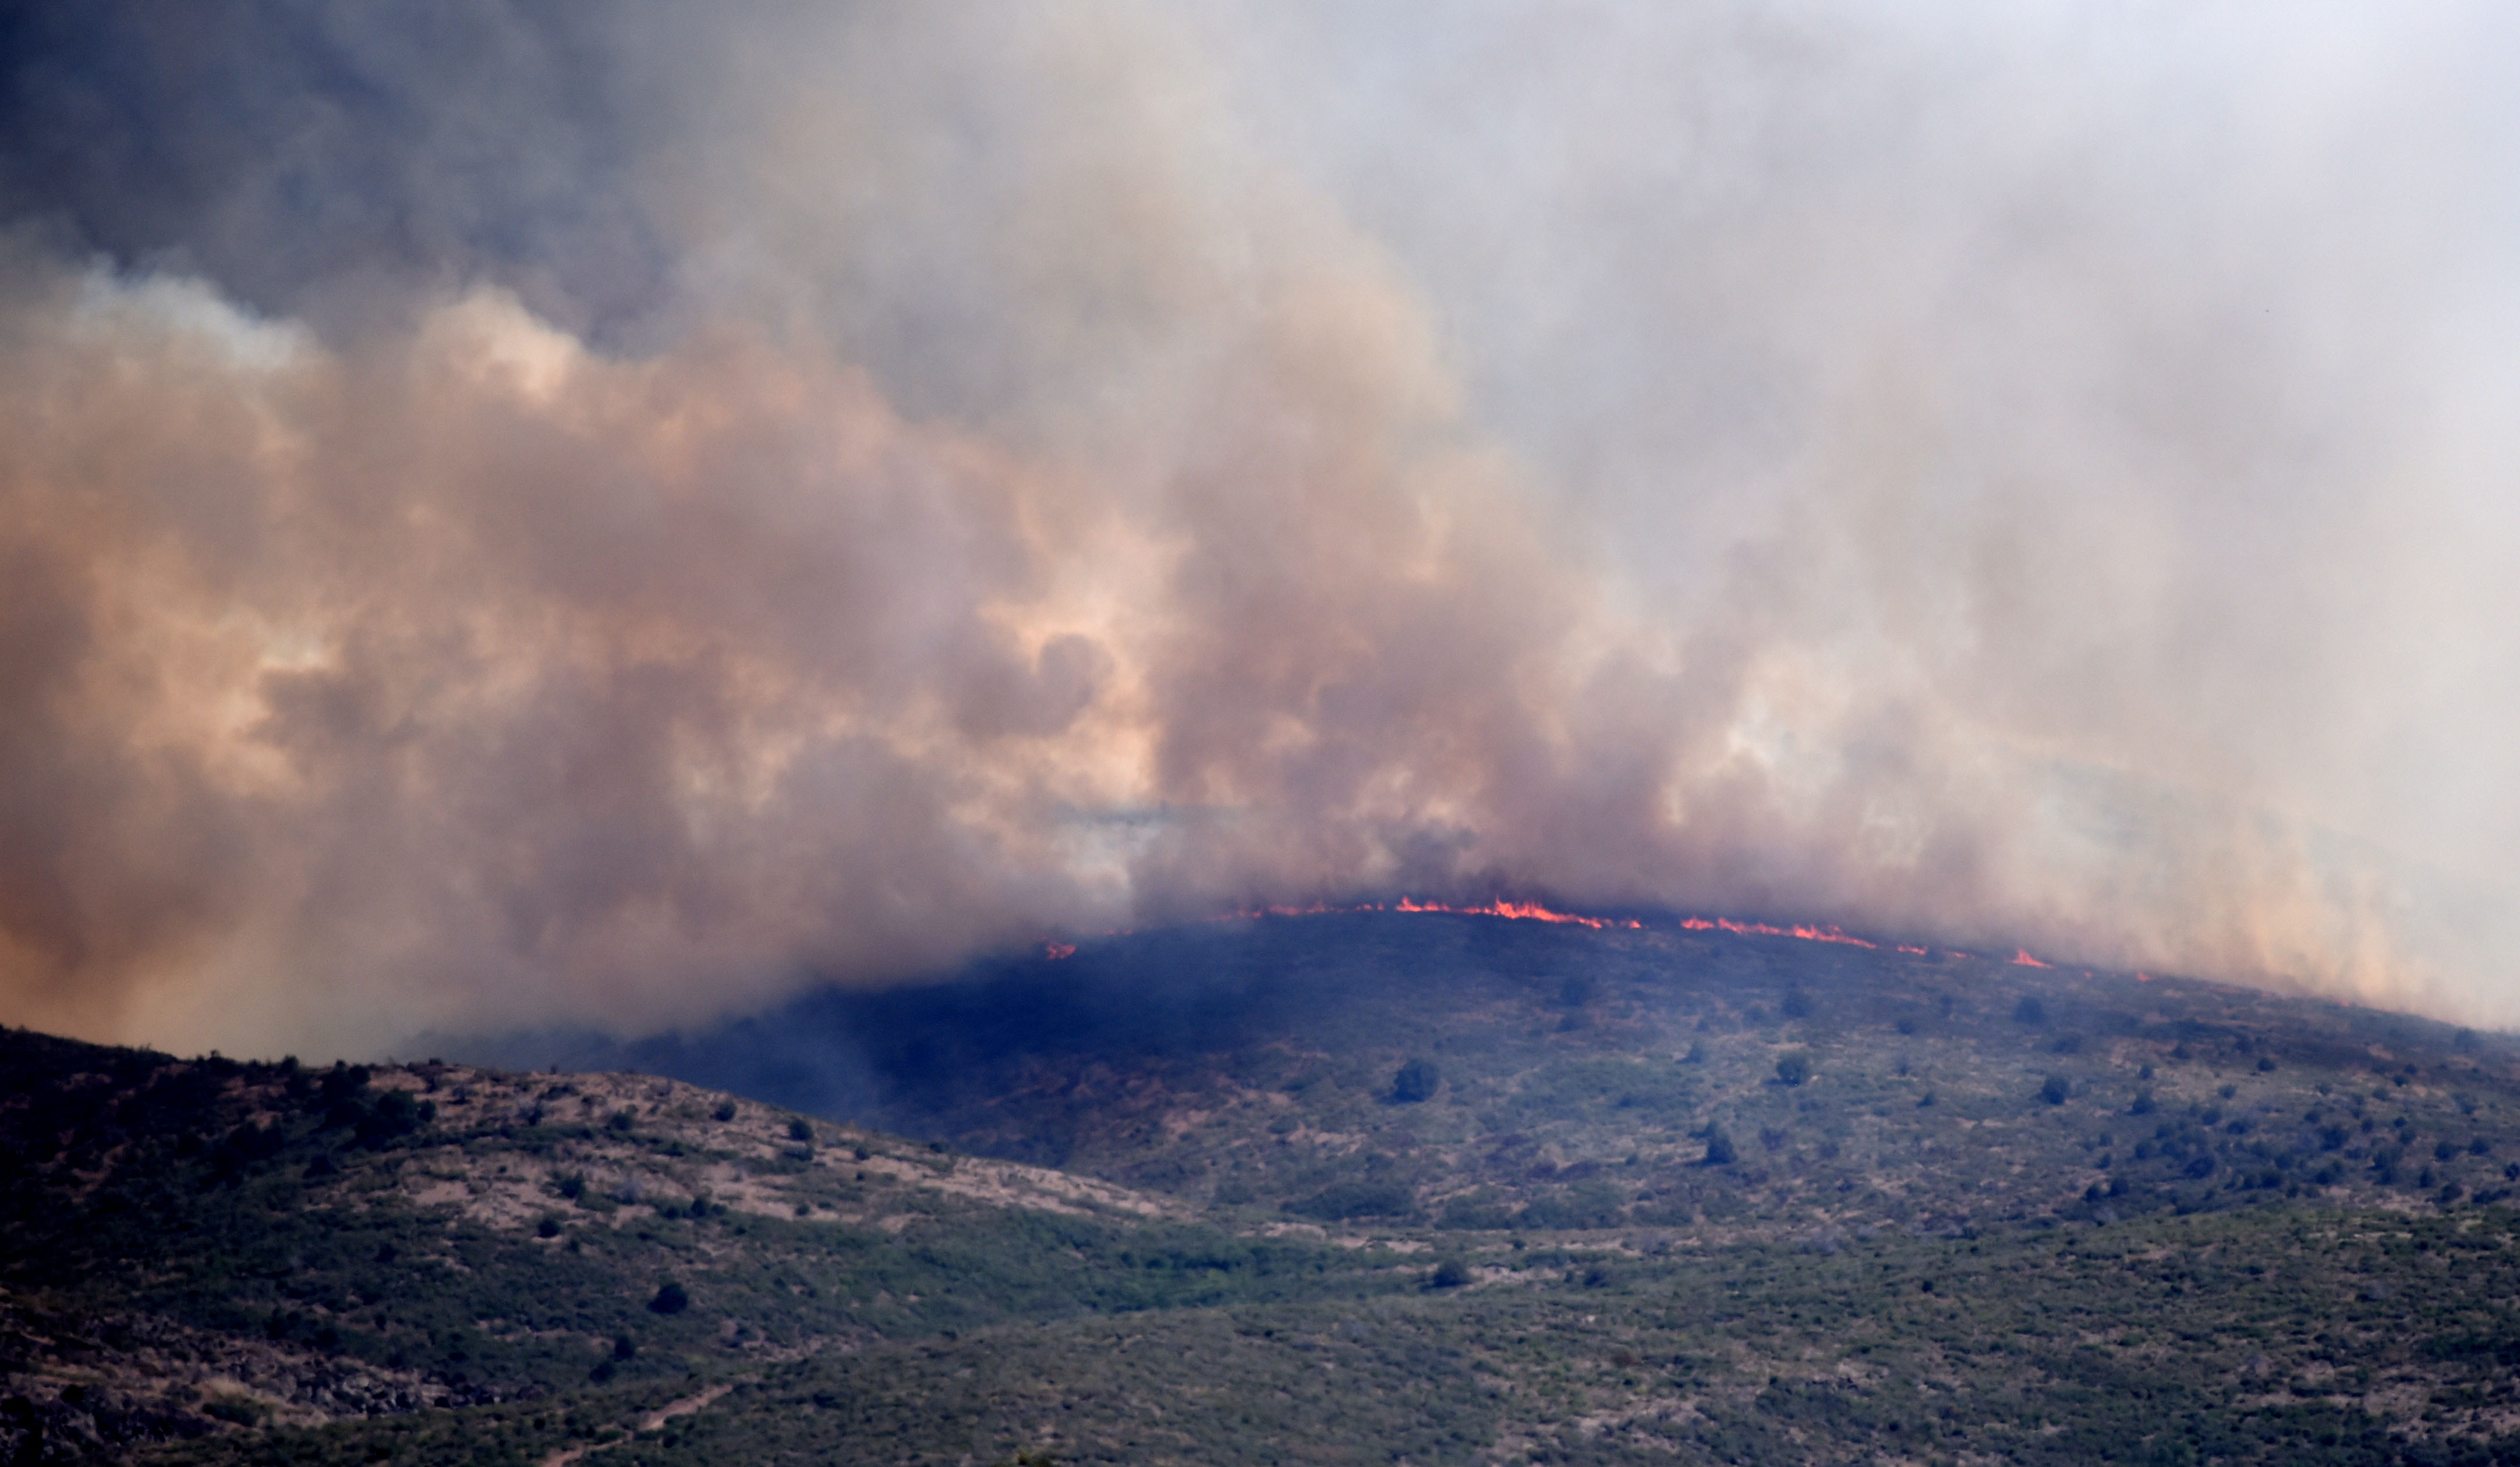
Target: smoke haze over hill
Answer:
pixel 600 517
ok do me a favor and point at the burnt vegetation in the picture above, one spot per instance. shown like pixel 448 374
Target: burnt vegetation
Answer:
pixel 1361 1187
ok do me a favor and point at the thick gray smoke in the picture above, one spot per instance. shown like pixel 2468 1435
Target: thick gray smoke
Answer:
pixel 521 515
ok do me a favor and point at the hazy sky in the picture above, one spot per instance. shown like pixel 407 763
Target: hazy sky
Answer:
pixel 521 514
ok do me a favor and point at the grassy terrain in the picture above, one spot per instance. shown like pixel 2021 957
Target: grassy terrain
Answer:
pixel 1339 1188
pixel 2243 1337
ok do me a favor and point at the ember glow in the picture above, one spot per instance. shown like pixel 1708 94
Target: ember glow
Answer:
pixel 607 515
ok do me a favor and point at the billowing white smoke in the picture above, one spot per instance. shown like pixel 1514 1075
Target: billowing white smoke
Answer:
pixel 606 520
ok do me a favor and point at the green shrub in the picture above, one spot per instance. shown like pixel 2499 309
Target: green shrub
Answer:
pixel 1414 1083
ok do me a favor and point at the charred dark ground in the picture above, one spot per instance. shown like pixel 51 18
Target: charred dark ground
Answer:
pixel 1346 1187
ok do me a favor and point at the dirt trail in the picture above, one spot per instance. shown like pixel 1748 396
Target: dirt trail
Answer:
pixel 652 1420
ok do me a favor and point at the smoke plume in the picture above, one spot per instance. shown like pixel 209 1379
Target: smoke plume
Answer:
pixel 514 515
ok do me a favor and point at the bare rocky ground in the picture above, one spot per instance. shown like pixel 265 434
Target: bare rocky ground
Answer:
pixel 691 1143
pixel 574 1166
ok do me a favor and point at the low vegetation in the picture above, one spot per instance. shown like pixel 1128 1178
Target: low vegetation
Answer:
pixel 1358 1188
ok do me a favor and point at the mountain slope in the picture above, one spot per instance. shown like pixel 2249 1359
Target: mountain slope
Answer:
pixel 1577 1077
pixel 1355 1188
pixel 199 1245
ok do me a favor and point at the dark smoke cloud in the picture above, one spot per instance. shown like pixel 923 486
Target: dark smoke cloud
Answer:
pixel 514 515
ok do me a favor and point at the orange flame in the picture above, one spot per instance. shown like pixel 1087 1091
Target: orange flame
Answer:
pixel 1533 911
pixel 1518 911
pixel 1827 934
pixel 2021 959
